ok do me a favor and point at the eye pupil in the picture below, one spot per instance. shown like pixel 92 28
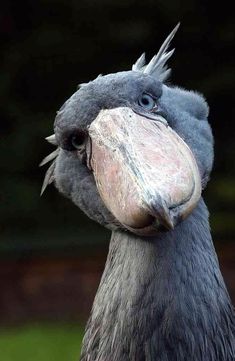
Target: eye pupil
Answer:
pixel 146 101
pixel 78 139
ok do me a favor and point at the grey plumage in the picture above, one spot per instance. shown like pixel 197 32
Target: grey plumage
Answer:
pixel 161 297
pixel 184 321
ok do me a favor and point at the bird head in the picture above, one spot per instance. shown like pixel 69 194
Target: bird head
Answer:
pixel 132 151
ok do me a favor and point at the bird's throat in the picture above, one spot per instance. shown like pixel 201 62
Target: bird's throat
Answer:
pixel 161 298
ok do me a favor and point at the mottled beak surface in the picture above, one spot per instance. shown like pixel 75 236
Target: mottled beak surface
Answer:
pixel 145 173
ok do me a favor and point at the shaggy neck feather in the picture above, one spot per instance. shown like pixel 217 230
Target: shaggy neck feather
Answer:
pixel 162 298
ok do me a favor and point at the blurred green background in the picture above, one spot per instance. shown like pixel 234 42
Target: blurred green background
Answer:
pixel 52 255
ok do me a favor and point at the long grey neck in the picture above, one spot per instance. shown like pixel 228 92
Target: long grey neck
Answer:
pixel 162 299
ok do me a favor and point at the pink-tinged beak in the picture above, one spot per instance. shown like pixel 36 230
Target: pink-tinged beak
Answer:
pixel 145 173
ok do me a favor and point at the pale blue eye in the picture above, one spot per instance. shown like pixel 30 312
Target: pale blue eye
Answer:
pixel 146 101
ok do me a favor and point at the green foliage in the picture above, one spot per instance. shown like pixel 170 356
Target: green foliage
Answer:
pixel 41 343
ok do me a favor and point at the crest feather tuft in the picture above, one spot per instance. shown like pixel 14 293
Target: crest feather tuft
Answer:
pixel 157 66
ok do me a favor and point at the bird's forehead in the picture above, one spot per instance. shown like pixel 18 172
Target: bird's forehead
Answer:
pixel 105 92
pixel 122 83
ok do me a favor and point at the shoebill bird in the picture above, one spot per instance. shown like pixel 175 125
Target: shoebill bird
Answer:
pixel 134 153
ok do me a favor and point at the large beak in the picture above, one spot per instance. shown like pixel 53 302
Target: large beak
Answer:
pixel 145 173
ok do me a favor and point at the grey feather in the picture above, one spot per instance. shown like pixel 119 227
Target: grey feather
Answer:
pixel 49 177
pixel 157 66
pixel 81 85
pixel 139 63
pixel 51 139
pixel 49 157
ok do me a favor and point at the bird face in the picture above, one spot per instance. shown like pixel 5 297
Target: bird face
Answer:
pixel 134 153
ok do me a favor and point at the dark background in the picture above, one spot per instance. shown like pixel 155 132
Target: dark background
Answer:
pixel 51 254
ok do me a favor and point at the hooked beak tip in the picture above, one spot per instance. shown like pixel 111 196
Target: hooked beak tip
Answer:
pixel 160 210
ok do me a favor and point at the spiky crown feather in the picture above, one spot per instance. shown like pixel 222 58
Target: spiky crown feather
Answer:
pixel 157 66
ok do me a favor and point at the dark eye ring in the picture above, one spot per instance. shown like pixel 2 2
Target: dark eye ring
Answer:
pixel 78 139
pixel 147 101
